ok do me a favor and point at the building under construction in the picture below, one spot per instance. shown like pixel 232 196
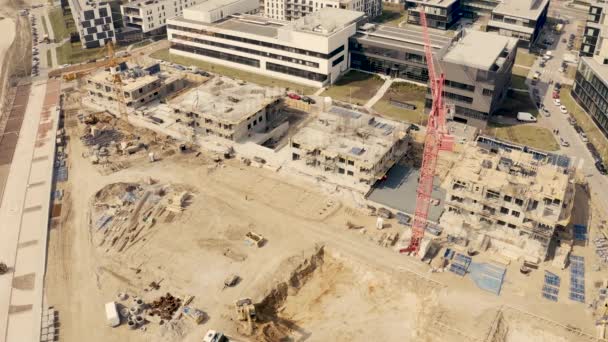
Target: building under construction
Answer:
pixel 231 109
pixel 140 85
pixel 352 146
pixel 513 199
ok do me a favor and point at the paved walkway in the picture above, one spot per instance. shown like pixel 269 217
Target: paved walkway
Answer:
pixel 379 93
pixel 25 216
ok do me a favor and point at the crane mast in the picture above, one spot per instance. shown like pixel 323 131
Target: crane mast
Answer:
pixel 435 134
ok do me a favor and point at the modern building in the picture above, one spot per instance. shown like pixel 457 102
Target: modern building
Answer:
pixel 590 87
pixel 140 85
pixel 515 198
pixel 230 109
pixel 477 70
pixel 295 9
pixel 522 19
pixel 478 8
pixel 477 65
pixel 350 145
pixel 312 50
pixel 440 14
pixel 150 16
pixel 94 22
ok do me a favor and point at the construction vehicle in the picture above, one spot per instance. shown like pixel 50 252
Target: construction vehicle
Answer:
pixel 245 311
pixel 436 139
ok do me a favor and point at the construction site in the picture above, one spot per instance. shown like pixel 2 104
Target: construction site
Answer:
pixel 191 206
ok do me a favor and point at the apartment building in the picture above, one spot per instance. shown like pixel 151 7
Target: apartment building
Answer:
pixel 312 50
pixel 230 109
pixel 477 65
pixel 150 16
pixel 93 21
pixel 140 85
pixel 522 19
pixel 349 146
pixel 478 8
pixel 516 198
pixel 440 14
pixel 295 9
pixel 590 87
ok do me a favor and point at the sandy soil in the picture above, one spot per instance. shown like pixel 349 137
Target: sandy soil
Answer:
pixel 362 292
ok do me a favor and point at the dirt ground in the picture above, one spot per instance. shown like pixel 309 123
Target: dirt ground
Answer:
pixel 359 292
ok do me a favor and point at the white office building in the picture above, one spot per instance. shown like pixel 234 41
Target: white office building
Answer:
pixel 295 9
pixel 150 16
pixel 94 22
pixel 312 50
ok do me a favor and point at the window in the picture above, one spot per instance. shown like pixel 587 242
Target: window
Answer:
pixel 504 210
pixel 492 194
pixel 519 201
pixel 350 173
pixel 507 198
pixel 89 15
pixel 515 213
pixel 501 223
pixel 351 162
pixel 511 225
pixel 488 92
pixel 459 85
pixel 341 160
pixel 295 145
pixel 337 61
pixel 296 72
pixel 340 170
pixel 295 156
pixel 217 54
pixel 103 12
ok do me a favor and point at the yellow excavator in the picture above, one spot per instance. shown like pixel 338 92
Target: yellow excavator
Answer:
pixel 245 311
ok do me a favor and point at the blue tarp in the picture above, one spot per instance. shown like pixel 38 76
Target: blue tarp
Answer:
pixel 488 277
pixel 577 278
pixel 460 265
pixel 580 232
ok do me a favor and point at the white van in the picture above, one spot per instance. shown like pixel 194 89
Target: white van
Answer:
pixel 525 117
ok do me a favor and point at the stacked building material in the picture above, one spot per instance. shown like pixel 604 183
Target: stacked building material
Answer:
pixel 601 249
pixel 577 278
pixel 460 265
pixel 551 286
pixel 165 306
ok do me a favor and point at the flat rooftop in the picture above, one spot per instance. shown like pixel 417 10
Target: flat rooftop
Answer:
pixel 128 84
pixel 409 38
pixel 349 133
pixel 226 99
pixel 435 3
pixel 325 21
pixel 511 171
pixel 478 49
pixel 528 9
pixel 600 70
pixel 210 5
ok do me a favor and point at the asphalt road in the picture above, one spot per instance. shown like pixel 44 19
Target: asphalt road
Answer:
pixel 597 183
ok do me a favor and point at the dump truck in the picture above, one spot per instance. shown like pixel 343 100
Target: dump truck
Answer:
pixel 254 239
pixel 245 311
pixel 112 314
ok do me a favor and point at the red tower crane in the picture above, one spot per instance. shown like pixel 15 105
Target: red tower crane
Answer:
pixel 436 139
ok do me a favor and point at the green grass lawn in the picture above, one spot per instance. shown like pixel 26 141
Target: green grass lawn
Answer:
pixel 584 120
pixel 59 24
pixel 70 53
pixel 524 58
pixel 141 44
pixel 231 72
pixel 391 15
pixel 49 59
pixel 517 102
pixel 526 134
pixel 355 87
pixel 518 78
pixel 404 92
pixel 44 27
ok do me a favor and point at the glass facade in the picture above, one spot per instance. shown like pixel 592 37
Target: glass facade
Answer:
pixel 592 94
pixel 418 73
pixel 216 54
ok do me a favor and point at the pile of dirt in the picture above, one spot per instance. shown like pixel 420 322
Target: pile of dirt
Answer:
pixel 271 327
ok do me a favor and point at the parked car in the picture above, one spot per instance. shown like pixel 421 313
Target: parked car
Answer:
pixel 594 153
pixel 563 142
pixel 294 96
pixel 179 67
pixel 546 112
pixel 564 40
pixel 584 137
pixel 555 94
pixel 600 167
pixel 563 109
pixel 557 102
pixel 414 127
pixel 557 85
pixel 572 120
pixel 308 100
pixel 578 129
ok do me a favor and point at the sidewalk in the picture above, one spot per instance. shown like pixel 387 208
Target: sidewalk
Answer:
pixel 24 216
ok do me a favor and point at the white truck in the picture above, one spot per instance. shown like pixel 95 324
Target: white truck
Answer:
pixel 214 336
pixel 112 314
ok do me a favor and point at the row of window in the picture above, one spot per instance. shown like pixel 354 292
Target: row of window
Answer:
pixel 458 85
pixel 246 50
pixel 216 54
pixel 296 72
pixel 260 43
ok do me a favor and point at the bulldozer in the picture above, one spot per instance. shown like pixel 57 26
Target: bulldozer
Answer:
pixel 245 311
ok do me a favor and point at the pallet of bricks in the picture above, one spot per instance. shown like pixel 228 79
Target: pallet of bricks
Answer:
pixel 601 248
pixel 49 330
